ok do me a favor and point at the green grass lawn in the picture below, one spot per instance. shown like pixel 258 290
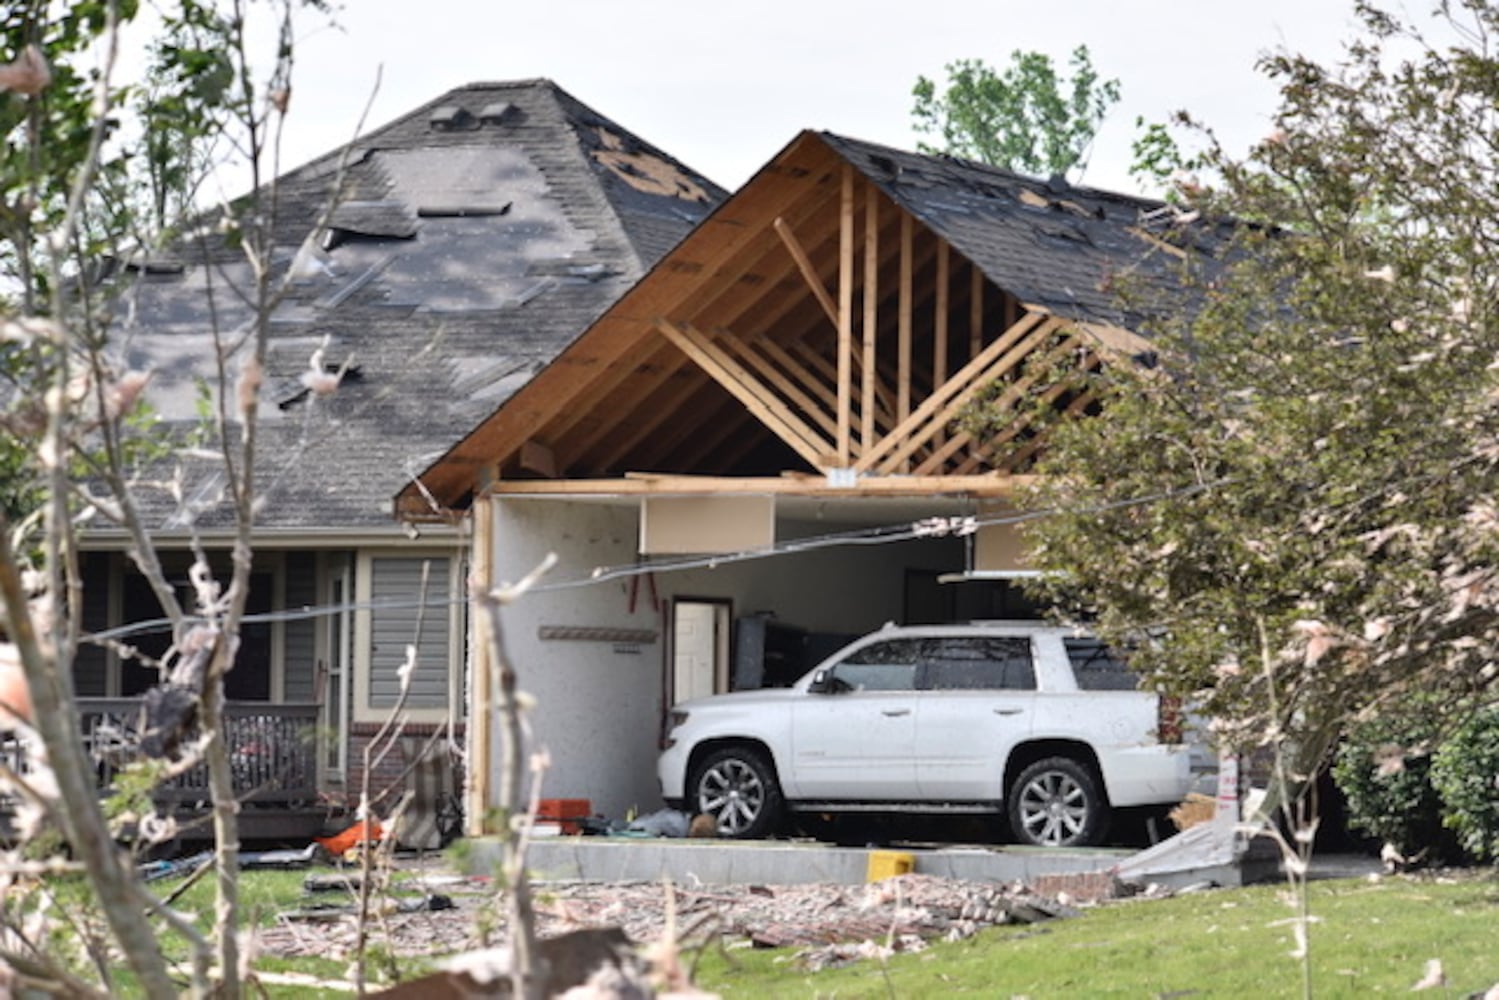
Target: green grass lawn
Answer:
pixel 1368 938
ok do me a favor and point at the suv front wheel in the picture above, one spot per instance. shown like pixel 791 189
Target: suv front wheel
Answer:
pixel 737 786
pixel 1056 803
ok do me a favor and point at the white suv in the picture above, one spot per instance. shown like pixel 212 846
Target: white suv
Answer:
pixel 1041 723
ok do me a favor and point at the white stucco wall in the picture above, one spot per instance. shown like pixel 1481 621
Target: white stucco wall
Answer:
pixel 599 704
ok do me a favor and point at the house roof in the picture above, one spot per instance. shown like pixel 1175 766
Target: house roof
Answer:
pixel 472 239
pixel 727 359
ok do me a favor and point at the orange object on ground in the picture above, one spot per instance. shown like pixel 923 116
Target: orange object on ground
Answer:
pixel 368 832
pixel 567 813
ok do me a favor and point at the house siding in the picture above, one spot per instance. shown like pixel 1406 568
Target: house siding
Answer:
pixel 406 610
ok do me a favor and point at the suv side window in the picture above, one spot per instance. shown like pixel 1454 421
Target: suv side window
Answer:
pixel 880 666
pixel 980 663
pixel 1098 667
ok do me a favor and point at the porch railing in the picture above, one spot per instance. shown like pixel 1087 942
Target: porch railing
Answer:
pixel 272 751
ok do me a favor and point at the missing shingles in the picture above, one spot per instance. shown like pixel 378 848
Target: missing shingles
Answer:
pixel 1037 200
pixel 646 171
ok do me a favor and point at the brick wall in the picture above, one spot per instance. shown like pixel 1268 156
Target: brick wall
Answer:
pixel 388 770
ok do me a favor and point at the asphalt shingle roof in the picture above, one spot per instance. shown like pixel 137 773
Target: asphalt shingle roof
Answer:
pixel 1072 250
pixel 475 237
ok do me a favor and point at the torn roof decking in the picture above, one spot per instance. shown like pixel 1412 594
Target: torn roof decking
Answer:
pixel 465 250
pixel 739 297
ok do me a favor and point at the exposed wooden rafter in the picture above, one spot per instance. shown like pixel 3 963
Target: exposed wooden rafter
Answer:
pixel 809 273
pixel 934 413
pixel 756 397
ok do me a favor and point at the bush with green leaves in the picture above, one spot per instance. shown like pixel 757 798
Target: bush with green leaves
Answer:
pixel 1383 769
pixel 1465 773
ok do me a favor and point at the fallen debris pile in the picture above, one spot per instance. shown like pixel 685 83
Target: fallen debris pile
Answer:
pixel 898 913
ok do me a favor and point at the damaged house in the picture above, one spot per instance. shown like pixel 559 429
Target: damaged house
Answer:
pixel 468 242
pixel 755 453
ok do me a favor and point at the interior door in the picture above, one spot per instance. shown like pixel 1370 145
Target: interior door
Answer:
pixel 699 649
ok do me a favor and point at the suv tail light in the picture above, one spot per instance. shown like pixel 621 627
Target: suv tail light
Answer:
pixel 1168 724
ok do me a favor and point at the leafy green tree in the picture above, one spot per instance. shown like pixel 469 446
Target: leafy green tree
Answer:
pixel 1296 509
pixel 1026 119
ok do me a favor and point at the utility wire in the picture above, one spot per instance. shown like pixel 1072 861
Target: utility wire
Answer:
pixel 934 527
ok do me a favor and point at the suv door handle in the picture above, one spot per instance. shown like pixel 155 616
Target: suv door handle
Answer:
pixel 1008 711
pixel 892 712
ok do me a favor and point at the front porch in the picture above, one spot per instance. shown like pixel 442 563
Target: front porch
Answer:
pixel 273 753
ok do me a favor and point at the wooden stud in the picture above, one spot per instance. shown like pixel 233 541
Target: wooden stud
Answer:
pixel 845 312
pixel 903 346
pixel 871 315
pixel 939 319
pixel 976 312
pixel 481 706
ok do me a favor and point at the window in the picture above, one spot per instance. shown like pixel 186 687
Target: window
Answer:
pixel 1001 663
pixel 1099 668
pixel 881 666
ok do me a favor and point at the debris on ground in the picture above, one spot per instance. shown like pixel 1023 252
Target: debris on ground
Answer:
pixel 901 912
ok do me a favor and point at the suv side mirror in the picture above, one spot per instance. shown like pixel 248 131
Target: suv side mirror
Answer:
pixel 827 682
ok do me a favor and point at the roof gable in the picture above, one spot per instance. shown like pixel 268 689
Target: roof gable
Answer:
pixel 743 352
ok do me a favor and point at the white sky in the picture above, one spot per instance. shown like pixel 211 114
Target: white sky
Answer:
pixel 724 85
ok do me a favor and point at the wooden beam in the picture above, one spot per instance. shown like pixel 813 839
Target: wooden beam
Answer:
pixel 804 376
pixel 939 317
pixel 538 458
pixel 989 445
pixel 1011 395
pixel 942 392
pixel 481 713
pixel 845 312
pixel 637 484
pixel 809 273
pixel 1077 406
pixel 815 360
pixel 963 391
pixel 753 394
pixel 788 389
pixel 871 314
pixel 975 311
pixel 903 330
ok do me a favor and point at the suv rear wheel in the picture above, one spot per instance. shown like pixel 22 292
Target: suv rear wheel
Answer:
pixel 737 787
pixel 1056 803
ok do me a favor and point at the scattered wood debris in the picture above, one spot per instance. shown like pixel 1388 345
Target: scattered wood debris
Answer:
pixel 823 919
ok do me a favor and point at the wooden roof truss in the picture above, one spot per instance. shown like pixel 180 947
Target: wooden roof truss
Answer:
pixel 842 335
